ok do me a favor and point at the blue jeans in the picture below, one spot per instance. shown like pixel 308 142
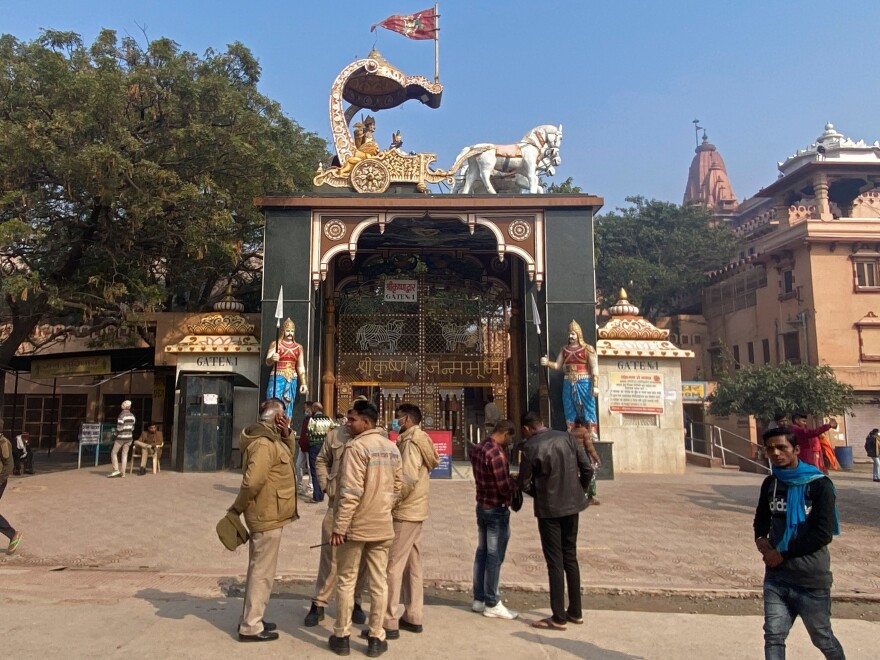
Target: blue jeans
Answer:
pixel 876 461
pixel 317 495
pixel 494 528
pixel 783 603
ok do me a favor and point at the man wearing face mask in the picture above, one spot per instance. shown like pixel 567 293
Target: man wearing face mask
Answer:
pixel 418 456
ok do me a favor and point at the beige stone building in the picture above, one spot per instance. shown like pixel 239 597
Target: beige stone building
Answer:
pixel 805 286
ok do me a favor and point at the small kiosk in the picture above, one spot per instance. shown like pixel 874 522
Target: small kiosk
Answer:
pixel 218 367
pixel 640 393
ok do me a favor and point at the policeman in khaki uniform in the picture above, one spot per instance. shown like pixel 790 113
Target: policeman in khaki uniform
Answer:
pixel 327 466
pixel 267 499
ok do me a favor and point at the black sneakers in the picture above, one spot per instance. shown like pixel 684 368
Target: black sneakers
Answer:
pixel 264 636
pixel 339 645
pixel 376 647
pixel 410 627
pixel 315 616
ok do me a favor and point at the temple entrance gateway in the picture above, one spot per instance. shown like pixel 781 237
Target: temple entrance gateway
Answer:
pixel 442 300
pixel 433 329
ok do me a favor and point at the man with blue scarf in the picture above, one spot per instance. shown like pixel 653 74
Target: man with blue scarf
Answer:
pixel 794 522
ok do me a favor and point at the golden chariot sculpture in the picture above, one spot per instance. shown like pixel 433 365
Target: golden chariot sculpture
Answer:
pixel 374 84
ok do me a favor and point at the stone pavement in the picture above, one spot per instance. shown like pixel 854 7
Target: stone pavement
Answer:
pixel 162 624
pixel 652 533
pixel 142 553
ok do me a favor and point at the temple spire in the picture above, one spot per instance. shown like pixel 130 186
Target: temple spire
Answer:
pixel 708 182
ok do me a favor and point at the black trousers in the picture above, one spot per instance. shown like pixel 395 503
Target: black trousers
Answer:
pixel 5 528
pixel 559 543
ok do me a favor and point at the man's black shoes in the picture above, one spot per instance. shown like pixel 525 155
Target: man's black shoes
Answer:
pixel 268 626
pixel 410 627
pixel 315 616
pixel 389 634
pixel 376 647
pixel 339 645
pixel 265 636
pixel 358 616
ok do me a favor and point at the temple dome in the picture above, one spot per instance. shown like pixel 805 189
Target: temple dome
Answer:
pixel 832 146
pixel 708 182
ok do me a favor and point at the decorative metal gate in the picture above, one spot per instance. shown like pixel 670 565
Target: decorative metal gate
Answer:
pixel 433 338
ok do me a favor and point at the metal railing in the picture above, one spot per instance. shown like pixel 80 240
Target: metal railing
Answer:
pixel 708 439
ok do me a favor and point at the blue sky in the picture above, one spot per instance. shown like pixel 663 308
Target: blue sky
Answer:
pixel 624 78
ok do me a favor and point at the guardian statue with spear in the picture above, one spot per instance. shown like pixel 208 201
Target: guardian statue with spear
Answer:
pixel 286 358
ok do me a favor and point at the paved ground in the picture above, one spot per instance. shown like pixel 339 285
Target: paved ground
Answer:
pixel 142 553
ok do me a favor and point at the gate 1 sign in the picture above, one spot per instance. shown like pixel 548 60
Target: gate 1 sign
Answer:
pixel 401 291
pixel 443 442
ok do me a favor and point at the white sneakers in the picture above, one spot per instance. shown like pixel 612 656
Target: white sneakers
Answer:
pixel 498 611
pixel 478 606
pixel 115 473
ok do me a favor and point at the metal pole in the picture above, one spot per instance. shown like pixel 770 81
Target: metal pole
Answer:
pixel 15 405
pixel 437 42
pixel 54 405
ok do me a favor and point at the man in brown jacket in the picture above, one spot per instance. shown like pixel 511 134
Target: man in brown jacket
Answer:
pixel 267 499
pixel 327 467
pixel 150 442
pixel 418 457
pixel 369 485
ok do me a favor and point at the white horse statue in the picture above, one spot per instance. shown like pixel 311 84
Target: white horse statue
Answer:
pixel 511 182
pixel 523 158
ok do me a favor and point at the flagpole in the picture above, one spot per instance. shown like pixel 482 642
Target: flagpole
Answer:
pixel 437 42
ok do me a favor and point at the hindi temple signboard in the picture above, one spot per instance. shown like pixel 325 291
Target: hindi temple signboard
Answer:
pixel 636 393
pixel 401 291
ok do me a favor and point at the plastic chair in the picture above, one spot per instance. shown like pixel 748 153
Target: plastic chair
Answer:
pixel 137 451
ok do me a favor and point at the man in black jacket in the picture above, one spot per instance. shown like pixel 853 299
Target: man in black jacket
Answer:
pixel 555 471
pixel 794 522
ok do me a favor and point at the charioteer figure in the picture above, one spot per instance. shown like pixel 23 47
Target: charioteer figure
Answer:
pixel 289 367
pixel 579 363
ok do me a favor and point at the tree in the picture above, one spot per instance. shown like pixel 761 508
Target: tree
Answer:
pixel 660 252
pixel 567 187
pixel 766 390
pixel 127 175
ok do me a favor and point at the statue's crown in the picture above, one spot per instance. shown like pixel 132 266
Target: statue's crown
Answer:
pixel 288 325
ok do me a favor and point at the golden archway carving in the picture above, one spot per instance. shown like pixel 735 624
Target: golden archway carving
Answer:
pixel 520 234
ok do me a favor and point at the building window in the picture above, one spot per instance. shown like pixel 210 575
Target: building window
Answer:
pixel 791 347
pixel 736 357
pixel 750 349
pixel 765 346
pixel 698 340
pixel 716 363
pixel 685 340
pixel 787 282
pixel 734 294
pixel 866 274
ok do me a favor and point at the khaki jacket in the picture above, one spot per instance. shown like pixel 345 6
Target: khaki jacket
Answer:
pixel 152 439
pixel 5 458
pixel 267 497
pixel 369 485
pixel 419 457
pixel 329 461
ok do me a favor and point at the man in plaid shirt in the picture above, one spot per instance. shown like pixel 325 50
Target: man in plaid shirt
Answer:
pixel 495 489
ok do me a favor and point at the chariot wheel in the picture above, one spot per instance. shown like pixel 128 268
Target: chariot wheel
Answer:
pixel 370 176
